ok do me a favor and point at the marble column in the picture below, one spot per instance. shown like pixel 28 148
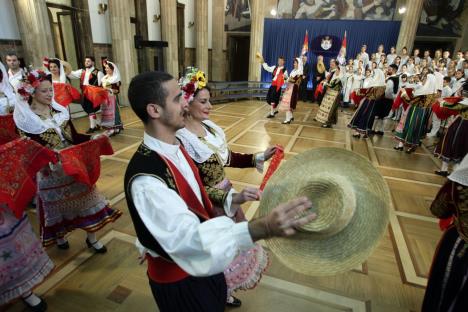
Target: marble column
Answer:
pixel 259 9
pixel 169 34
pixel 218 56
pixel 409 25
pixel 122 43
pixel 141 28
pixel 201 35
pixel 35 32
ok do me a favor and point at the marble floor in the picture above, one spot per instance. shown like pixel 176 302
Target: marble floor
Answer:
pixel 392 279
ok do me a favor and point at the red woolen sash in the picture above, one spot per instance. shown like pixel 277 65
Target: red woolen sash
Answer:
pixel 163 271
pixel 64 93
pixel 274 164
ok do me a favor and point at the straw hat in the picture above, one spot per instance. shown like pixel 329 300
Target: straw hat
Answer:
pixel 352 203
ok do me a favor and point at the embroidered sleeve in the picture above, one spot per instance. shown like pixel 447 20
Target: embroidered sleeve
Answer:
pixel 217 196
pixel 443 205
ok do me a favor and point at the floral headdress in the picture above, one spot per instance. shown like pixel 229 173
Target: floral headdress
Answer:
pixel 192 81
pixel 30 82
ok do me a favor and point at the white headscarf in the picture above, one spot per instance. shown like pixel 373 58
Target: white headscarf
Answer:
pixel 299 71
pixel 27 121
pixel 6 87
pixel 378 79
pixel 114 78
pixel 460 175
pixel 429 87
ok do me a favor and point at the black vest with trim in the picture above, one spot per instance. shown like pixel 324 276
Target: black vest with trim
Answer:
pixel 274 72
pixel 146 162
pixel 396 83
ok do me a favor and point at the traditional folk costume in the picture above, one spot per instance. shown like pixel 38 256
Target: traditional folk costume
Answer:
pixel 363 118
pixel 110 110
pixel 7 93
pixel 91 96
pixel 24 263
pixel 290 95
pixel 357 83
pixel 64 204
pixel 15 78
pixel 447 288
pixel 279 75
pixel 211 154
pixel 453 147
pixel 187 247
pixel 440 113
pixel 64 93
pixel 328 111
pixel 319 75
pixel 385 106
pixel 413 124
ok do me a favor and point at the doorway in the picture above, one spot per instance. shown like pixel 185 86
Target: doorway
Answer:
pixel 181 37
pixel 238 49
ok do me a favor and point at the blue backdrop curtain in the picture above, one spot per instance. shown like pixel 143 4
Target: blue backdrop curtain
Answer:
pixel 284 37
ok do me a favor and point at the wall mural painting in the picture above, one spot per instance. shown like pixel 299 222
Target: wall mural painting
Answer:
pixel 237 15
pixel 444 15
pixel 337 9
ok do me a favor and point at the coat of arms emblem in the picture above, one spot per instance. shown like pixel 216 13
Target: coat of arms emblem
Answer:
pixel 326 43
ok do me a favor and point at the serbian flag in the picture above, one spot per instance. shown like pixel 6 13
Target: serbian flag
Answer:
pixel 96 95
pixel 305 45
pixel 64 93
pixel 82 161
pixel 343 46
pixel 21 159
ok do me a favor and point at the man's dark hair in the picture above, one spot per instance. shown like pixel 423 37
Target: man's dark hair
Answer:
pixel 91 58
pixel 447 79
pixel 55 61
pixel 145 89
pixel 11 53
pixel 281 57
pixel 394 67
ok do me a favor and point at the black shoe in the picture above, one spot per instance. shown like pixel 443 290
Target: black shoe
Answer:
pixel 357 135
pixel 40 307
pixel 101 250
pixel 63 246
pixel 326 126
pixel 286 122
pixel 442 173
pixel 410 150
pixel 398 148
pixel 270 115
pixel 380 133
pixel 235 303
pixel 98 127
pixel 90 130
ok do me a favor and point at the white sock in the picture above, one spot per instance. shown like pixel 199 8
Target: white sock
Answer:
pixel 31 299
pixel 435 125
pixel 61 241
pixel 273 109
pixel 92 122
pixel 444 166
pixel 400 144
pixel 288 116
pixel 93 240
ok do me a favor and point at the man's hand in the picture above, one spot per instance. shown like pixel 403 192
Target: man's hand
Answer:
pixel 283 220
pixel 247 194
pixel 269 152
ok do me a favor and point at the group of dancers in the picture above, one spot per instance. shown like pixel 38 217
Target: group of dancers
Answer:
pixel 33 155
pixel 414 96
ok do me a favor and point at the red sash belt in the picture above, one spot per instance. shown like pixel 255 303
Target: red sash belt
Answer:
pixel 163 271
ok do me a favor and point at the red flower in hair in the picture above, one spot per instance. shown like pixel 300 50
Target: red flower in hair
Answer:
pixel 189 88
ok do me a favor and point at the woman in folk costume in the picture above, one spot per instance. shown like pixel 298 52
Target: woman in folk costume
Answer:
pixel 207 145
pixel 7 93
pixel 110 111
pixel 453 147
pixel 24 263
pixel 64 93
pixel 279 75
pixel 64 204
pixel 319 75
pixel 358 81
pixel 447 287
pixel 363 118
pixel 413 124
pixel 291 94
pixel 328 114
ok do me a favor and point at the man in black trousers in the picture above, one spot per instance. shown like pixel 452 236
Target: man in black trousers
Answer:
pixel 305 79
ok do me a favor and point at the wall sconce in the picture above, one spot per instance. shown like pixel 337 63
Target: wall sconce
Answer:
pixel 102 8
pixel 156 18
pixel 191 24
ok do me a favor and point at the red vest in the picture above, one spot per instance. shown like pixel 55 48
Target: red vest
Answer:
pixel 159 269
